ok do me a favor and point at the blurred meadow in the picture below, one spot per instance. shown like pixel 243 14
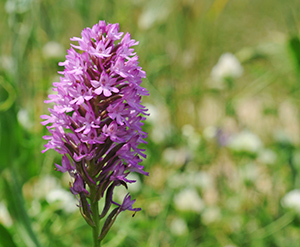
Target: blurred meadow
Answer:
pixel 224 133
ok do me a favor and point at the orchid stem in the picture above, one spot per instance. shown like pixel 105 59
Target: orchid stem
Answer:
pixel 95 216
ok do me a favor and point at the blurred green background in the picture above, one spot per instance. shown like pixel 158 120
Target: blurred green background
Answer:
pixel 224 135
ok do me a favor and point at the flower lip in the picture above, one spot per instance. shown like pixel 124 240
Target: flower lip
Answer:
pixel 105 85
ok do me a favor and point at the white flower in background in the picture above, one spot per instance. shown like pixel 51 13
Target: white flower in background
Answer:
pixel 267 156
pixel 24 119
pixel 201 179
pixel 249 172
pixel 48 188
pixel 136 186
pixel 65 200
pixel 53 49
pixel 234 202
pixel 193 138
pixel 7 63
pixel 176 181
pixel 227 66
pixel 245 141
pixel 178 227
pixel 188 130
pixel 280 136
pixel 35 208
pixel 292 200
pixel 195 179
pixel 175 157
pixel 154 208
pixel 210 215
pixel 154 113
pixel 120 191
pixel 188 200
pixel 17 6
pixel 153 12
pixel 41 187
pixel 5 218
pixel 159 119
pixel 210 132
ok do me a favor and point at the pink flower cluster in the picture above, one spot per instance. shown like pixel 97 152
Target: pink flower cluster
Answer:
pixel 96 117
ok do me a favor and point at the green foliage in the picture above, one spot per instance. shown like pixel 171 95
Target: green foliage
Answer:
pixel 6 238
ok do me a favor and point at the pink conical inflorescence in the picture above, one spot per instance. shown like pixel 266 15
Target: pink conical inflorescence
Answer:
pixel 96 117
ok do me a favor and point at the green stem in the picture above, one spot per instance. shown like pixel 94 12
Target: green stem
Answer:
pixel 95 216
pixel 274 227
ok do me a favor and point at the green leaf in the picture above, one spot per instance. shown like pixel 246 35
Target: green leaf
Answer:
pixel 16 207
pixel 84 210
pixel 109 222
pixel 7 103
pixel 9 135
pixel 294 44
pixel 6 238
pixel 109 193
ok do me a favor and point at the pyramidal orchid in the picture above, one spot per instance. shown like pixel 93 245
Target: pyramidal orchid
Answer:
pixel 95 122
